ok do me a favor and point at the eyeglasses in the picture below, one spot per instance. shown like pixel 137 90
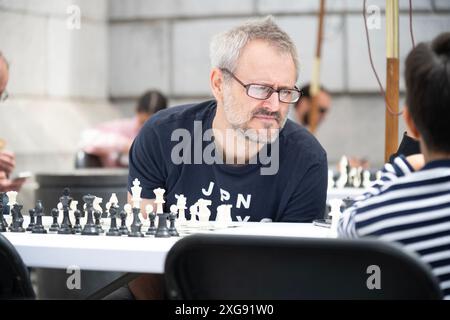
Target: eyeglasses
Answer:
pixel 3 96
pixel 263 92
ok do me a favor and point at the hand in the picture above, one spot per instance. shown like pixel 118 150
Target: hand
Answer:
pixel 10 185
pixel 7 162
pixel 417 161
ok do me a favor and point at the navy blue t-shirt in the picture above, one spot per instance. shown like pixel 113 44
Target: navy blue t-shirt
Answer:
pixel 296 193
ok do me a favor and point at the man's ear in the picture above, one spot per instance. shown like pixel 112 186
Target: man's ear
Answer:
pixel 411 126
pixel 216 83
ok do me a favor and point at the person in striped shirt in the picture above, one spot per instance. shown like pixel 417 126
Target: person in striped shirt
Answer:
pixel 410 204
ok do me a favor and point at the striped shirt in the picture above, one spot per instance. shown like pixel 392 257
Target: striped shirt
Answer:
pixel 410 208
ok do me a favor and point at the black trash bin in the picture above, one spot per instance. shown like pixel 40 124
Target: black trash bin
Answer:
pixel 52 283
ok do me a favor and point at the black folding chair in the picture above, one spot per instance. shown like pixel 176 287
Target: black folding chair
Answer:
pixel 255 267
pixel 14 277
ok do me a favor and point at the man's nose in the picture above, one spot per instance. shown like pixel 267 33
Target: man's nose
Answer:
pixel 273 102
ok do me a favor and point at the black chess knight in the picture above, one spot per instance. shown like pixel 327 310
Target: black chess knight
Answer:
pixel 89 228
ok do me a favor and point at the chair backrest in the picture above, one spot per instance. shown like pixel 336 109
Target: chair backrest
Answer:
pixel 14 277
pixel 253 267
pixel 86 160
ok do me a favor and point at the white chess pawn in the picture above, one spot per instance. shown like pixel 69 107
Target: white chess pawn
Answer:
pixel 223 216
pixel 174 209
pixel 335 215
pixel 366 179
pixel 128 210
pixel 378 175
pixel 357 178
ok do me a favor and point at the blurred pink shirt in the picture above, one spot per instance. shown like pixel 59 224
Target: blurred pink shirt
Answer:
pixel 110 141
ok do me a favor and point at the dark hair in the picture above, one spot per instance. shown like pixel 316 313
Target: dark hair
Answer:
pixel 427 75
pixel 306 95
pixel 151 102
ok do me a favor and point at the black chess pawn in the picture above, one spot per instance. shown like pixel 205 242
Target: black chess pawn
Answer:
pixel 39 210
pixel 172 230
pixel 77 226
pixel 89 228
pixel 3 224
pixel 136 225
pixel 55 226
pixel 151 229
pixel 32 213
pixel 17 224
pixel 162 231
pixel 113 230
pixel 98 225
pixel 66 225
pixel 123 223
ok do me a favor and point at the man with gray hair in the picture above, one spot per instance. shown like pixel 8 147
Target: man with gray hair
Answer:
pixel 238 149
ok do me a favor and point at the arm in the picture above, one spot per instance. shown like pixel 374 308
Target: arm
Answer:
pixel 400 167
pixel 7 162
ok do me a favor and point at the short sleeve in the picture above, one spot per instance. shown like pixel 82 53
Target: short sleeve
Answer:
pixel 146 162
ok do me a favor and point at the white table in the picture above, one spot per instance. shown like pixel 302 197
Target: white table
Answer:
pixel 125 254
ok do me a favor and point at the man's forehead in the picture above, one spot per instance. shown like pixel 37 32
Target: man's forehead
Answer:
pixel 261 61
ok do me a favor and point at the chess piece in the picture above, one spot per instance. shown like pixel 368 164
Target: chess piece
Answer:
pixel 159 199
pixel 335 215
pixel 73 207
pixel 39 210
pixel 366 183
pixel 181 206
pixel 97 216
pixel 17 224
pixel 151 229
pixel 123 224
pixel 193 211
pixel 203 211
pixel 113 208
pixel 66 225
pixel 3 224
pixel 136 225
pixel 136 193
pixel 31 213
pixel 55 226
pixel 89 228
pixel 162 231
pixel 223 216
pixel 172 216
pixel 77 227
pixel 342 180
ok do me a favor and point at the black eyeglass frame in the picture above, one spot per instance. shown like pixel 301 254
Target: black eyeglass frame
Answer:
pixel 271 91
